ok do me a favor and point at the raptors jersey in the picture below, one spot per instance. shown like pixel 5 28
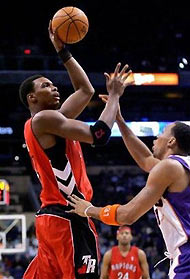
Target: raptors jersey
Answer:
pixel 125 267
pixel 60 169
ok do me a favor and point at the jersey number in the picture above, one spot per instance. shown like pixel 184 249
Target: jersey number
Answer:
pixel 123 276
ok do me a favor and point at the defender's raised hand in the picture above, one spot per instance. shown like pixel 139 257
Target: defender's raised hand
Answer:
pixel 117 82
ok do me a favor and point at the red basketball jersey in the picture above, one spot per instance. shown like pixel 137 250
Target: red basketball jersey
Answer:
pixel 58 182
pixel 125 267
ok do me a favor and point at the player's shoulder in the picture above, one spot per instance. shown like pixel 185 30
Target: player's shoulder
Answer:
pixel 140 251
pixel 108 252
pixel 46 115
pixel 168 164
pixel 141 254
pixel 108 255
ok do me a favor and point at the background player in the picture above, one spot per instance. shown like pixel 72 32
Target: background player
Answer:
pixel 124 261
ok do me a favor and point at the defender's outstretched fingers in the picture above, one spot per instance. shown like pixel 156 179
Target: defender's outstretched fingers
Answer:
pixel 116 71
pixel 71 203
pixel 76 197
pixel 107 76
pixel 124 70
pixel 126 75
pixel 71 211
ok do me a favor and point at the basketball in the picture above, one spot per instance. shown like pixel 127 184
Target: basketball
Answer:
pixel 70 24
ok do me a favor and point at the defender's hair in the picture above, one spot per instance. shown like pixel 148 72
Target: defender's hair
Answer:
pixel 181 132
pixel 26 87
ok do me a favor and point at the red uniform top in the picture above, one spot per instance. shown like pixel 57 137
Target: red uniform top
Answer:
pixel 125 267
pixel 61 173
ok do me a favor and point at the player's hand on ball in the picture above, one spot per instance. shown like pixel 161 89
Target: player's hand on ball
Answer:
pixel 118 81
pixel 58 44
pixel 79 205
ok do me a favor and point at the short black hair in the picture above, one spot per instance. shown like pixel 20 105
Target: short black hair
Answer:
pixel 26 87
pixel 181 132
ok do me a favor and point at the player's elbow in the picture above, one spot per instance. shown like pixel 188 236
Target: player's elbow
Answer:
pixel 89 90
pixel 92 91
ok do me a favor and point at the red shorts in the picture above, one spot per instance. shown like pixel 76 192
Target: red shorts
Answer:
pixel 67 249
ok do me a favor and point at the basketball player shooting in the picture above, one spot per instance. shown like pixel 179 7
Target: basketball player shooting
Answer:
pixel 67 243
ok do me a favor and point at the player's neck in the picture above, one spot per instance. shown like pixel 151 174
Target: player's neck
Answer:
pixel 174 151
pixel 34 110
pixel 124 247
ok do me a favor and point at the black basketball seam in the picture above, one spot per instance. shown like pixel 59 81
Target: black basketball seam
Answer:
pixel 62 23
pixel 81 21
pixel 72 21
pixel 67 12
pixel 70 18
pixel 77 29
pixel 67 34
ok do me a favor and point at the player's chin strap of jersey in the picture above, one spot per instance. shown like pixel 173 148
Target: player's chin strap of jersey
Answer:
pixel 167 256
pixel 100 132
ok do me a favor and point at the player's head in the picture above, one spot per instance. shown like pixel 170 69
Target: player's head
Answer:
pixel 39 91
pixel 124 235
pixel 181 132
pixel 175 139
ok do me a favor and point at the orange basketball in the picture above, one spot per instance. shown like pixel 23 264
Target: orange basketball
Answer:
pixel 70 24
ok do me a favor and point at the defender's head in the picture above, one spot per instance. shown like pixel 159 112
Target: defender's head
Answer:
pixel 175 139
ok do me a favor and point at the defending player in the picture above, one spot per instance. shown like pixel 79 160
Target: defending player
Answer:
pixel 167 189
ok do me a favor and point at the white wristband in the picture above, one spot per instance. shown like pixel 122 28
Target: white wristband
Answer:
pixel 85 212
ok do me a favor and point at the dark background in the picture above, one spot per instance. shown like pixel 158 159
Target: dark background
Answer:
pixel 156 32
pixel 151 36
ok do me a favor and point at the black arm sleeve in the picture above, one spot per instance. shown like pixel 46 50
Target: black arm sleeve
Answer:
pixel 100 132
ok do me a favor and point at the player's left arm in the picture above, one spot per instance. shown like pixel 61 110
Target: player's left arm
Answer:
pixel 136 147
pixel 159 179
pixel 84 90
pixel 143 264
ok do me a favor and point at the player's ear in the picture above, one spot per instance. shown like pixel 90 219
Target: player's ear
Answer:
pixel 31 98
pixel 172 141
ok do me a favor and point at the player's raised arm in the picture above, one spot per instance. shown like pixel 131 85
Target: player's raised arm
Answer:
pixel 53 122
pixel 138 150
pixel 84 90
pixel 136 147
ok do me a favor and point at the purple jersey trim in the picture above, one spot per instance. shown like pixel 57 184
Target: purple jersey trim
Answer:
pixel 180 160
